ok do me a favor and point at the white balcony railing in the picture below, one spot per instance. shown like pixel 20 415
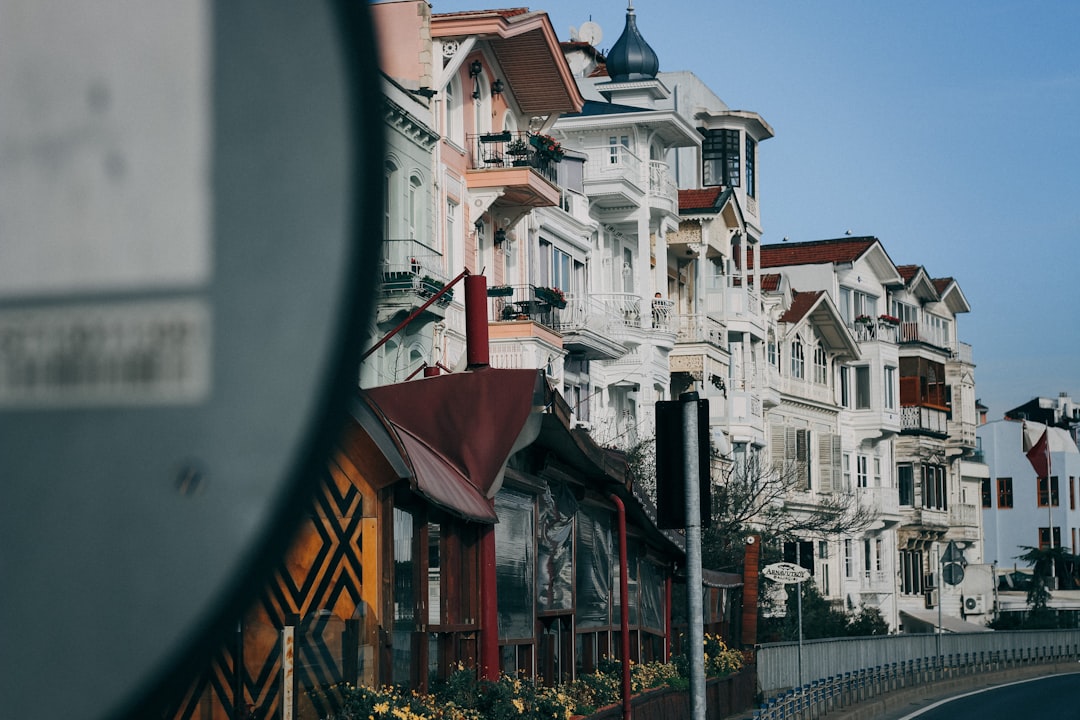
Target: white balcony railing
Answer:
pixel 661 185
pixel 961 352
pixel 612 162
pixel 624 308
pixel 585 313
pixel 963 514
pixel 876 330
pixel 699 328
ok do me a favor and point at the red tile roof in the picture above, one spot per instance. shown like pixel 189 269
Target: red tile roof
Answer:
pixel 770 282
pixel 817 252
pixel 505 12
pixel 801 303
pixel 908 271
pixel 699 198
pixel 941 284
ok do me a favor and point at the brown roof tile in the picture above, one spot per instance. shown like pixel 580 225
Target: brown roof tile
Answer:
pixel 801 303
pixel 699 198
pixel 817 252
pixel 505 12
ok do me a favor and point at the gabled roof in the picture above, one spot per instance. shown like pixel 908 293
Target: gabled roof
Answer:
pixel 708 199
pixel 838 251
pixel 770 282
pixel 817 310
pixel 528 53
pixel 951 295
pixel 918 283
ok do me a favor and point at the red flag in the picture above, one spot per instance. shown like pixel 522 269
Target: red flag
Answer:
pixel 1039 455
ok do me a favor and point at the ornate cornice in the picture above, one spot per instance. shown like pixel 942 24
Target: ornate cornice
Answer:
pixel 408 125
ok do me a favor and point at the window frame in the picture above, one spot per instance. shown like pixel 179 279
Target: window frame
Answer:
pixel 1005 493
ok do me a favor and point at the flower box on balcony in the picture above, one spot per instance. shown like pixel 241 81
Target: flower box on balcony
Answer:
pixel 496 137
pixel 500 291
pixel 889 319
pixel 552 296
pixel 864 320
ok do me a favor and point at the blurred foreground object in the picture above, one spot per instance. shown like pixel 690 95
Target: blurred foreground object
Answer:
pixel 185 273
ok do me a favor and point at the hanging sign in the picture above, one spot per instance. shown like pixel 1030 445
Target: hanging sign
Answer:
pixel 786 573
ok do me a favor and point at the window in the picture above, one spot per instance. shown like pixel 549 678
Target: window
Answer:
pixel 1044 538
pixel 862 387
pixel 751 161
pixel 911 572
pixel 860 471
pixel 922 382
pixel 939 331
pixel 720 158
pixel 934 487
pixel 847 472
pixel 877 472
pixel 1072 492
pixel 856 303
pixel 847 558
pixel 890 388
pixel 866 558
pixel 1005 492
pixel 415 208
pixel 617 145
pixel 986 500
pixel 1048 492
pixel 821 366
pixel 790 450
pixel 771 352
pixel 845 386
pixel 905 484
pixel 798 363
pixel 389 172
pixel 450 242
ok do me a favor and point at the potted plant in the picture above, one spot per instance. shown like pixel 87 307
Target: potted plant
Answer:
pixel 547 147
pixel 500 291
pixel 517 147
pixel 552 296
pixel 864 320
pixel 889 319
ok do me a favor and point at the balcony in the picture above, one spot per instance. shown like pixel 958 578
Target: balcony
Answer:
pixel 411 274
pixel 699 328
pixel 961 352
pixel 585 324
pixel 805 389
pixel 613 177
pixel 884 502
pixel 663 192
pixel 527 302
pixel 919 332
pixel 923 420
pixel 517 166
pixel 876 330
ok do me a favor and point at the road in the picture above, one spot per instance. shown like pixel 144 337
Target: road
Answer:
pixel 1057 696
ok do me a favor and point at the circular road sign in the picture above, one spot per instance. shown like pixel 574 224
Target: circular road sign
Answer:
pixel 185 275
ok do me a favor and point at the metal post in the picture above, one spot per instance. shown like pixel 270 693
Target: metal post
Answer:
pixel 940 582
pixel 694 610
pixel 798 598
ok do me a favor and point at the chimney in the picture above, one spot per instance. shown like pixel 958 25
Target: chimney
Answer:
pixel 476 322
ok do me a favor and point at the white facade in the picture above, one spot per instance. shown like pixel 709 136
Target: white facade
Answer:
pixel 1015 513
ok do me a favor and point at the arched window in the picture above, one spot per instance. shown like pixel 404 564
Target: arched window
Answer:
pixel 389 181
pixel 416 208
pixel 821 363
pixel 455 131
pixel 798 362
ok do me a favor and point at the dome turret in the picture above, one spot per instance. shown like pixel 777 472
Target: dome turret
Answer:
pixel 631 58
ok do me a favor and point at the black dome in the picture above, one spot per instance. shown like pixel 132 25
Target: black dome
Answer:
pixel 630 57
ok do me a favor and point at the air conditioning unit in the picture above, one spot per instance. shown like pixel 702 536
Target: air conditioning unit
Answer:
pixel 975 604
pixel 928 581
pixel 931 597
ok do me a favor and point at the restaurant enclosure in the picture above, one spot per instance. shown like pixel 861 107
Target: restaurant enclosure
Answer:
pixel 461 521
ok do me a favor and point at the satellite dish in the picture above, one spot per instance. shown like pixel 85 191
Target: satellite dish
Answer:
pixel 590 32
pixel 185 274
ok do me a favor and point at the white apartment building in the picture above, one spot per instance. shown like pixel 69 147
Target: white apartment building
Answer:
pixel 906 424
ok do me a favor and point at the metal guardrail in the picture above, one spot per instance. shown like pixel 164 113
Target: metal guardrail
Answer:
pixel 821 696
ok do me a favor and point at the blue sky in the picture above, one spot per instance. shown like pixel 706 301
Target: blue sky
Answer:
pixel 949 129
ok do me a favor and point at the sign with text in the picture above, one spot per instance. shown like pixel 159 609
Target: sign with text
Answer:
pixel 786 573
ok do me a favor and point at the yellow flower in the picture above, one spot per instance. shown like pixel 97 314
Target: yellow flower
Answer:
pixel 382 707
pixel 519 705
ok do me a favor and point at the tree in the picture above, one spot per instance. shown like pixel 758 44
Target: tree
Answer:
pixel 1046 563
pixel 820 619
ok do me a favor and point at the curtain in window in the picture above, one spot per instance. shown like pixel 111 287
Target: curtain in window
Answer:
pixel 555 549
pixel 652 597
pixel 594 563
pixel 515 558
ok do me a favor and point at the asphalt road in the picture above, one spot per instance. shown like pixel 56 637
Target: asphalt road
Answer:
pixel 1051 698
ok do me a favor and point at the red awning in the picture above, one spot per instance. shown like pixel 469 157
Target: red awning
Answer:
pixel 457 431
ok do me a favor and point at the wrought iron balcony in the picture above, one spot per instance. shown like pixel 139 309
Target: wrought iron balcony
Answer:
pixel 514 150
